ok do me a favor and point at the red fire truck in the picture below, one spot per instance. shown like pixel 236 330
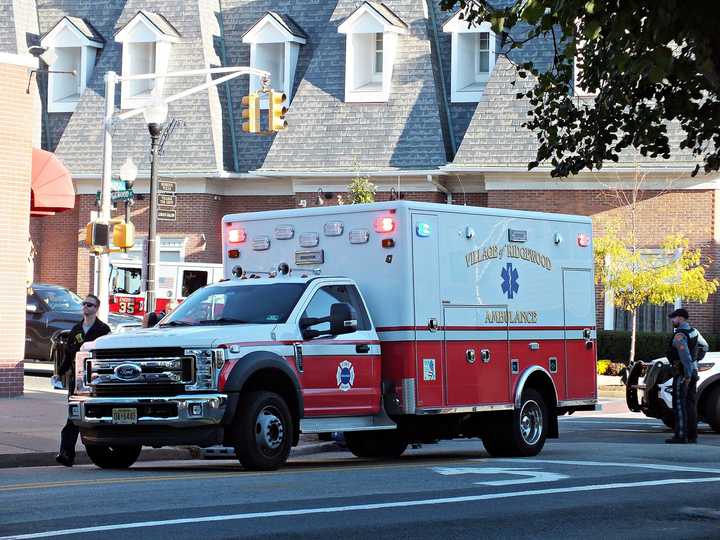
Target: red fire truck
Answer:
pixel 393 323
pixel 175 281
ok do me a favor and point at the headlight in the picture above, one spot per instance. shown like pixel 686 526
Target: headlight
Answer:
pixel 704 366
pixel 82 358
pixel 208 363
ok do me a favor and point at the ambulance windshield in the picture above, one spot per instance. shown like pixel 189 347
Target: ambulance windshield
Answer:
pixel 242 304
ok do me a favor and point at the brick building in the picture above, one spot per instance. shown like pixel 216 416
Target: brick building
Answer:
pixel 400 91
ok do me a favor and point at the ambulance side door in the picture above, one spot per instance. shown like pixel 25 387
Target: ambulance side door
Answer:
pixel 340 374
pixel 580 334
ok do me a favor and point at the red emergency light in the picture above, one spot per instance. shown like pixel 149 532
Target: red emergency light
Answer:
pixel 236 236
pixel 384 224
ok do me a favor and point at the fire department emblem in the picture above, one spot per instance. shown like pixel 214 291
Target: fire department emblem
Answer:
pixel 345 376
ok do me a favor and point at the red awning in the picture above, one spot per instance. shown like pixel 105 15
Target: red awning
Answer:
pixel 52 187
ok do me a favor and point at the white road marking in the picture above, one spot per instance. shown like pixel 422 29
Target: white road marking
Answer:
pixel 361 507
pixel 530 475
pixel 654 466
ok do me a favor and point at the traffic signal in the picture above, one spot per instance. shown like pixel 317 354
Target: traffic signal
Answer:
pixel 277 111
pixel 124 235
pixel 251 113
pixel 97 236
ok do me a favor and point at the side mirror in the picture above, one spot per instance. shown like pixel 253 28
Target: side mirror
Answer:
pixel 342 319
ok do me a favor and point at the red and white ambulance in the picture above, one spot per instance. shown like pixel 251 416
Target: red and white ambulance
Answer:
pixel 175 281
pixel 394 323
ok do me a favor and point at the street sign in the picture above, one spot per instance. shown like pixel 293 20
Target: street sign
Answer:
pixel 166 215
pixel 115 196
pixel 119 184
pixel 166 200
pixel 166 186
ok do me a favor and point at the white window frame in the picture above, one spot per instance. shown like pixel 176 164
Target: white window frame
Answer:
pixel 141 30
pixel 65 35
pixel 465 45
pixel 266 31
pixel 362 83
pixel 377 73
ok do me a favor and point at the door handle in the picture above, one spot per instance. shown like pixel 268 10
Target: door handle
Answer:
pixel 485 355
pixel 470 356
pixel 362 348
pixel 433 325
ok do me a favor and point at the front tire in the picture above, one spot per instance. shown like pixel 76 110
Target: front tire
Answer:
pixel 376 444
pixel 263 431
pixel 113 457
pixel 523 433
pixel 711 411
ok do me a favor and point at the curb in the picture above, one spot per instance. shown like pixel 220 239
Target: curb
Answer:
pixel 47 459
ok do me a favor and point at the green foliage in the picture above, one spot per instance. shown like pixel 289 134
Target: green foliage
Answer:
pixel 361 189
pixel 636 277
pixel 647 63
pixel 602 366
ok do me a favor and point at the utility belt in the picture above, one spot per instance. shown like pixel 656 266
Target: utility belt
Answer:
pixel 677 368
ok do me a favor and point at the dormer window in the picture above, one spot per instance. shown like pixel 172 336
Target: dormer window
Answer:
pixel 372 33
pixel 275 42
pixel 146 40
pixel 472 58
pixel 75 45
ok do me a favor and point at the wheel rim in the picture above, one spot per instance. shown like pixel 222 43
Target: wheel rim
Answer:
pixel 269 430
pixel 531 422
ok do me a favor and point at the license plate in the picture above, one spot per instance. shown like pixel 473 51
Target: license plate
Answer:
pixel 124 416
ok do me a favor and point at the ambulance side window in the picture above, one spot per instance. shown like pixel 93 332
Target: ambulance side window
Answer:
pixel 326 296
pixel 192 280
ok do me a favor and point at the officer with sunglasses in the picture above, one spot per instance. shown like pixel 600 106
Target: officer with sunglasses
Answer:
pixel 89 329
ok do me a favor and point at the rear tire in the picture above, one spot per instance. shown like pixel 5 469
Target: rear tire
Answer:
pixel 113 457
pixel 523 433
pixel 711 411
pixel 376 444
pixel 262 431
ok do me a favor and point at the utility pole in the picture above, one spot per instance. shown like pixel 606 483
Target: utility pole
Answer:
pixel 103 275
pixel 151 275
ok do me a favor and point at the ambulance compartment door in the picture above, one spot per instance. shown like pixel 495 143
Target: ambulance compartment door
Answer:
pixel 428 311
pixel 580 336
pixel 476 356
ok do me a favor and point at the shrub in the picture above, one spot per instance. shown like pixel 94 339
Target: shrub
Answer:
pixel 615 345
pixel 602 366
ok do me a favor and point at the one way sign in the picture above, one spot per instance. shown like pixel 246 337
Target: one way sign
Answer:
pixel 528 475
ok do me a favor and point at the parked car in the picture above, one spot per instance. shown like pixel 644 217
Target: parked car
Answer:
pixel 52 310
pixel 649 390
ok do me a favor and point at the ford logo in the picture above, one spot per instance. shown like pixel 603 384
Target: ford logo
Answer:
pixel 128 372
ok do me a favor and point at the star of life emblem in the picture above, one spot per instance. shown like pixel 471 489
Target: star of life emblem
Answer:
pixel 345 376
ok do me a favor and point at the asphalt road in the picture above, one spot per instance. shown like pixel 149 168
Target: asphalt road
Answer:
pixel 604 478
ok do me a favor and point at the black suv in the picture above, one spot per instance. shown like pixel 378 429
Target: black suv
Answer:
pixel 52 311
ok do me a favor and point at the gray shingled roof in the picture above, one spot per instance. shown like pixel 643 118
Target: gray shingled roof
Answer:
pixel 328 134
pixel 496 138
pixel 194 148
pixel 8 40
pixel 83 26
pixel 160 22
pixel 387 14
pixel 283 20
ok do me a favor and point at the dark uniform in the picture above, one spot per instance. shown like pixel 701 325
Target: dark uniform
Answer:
pixel 76 338
pixel 682 353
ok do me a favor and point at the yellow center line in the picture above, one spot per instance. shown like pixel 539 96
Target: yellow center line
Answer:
pixel 201 476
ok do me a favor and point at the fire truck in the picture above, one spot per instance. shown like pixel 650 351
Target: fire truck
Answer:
pixel 175 281
pixel 394 323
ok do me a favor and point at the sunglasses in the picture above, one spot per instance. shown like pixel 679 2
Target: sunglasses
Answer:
pixel 89 304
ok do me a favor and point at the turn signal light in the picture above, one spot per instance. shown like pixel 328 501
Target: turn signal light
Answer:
pixel 225 373
pixel 234 253
pixel 236 236
pixel 384 224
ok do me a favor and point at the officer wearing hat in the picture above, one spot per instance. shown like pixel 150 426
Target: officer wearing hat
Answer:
pixel 682 353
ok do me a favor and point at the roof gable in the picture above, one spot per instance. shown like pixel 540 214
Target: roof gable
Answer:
pixel 79 28
pixel 282 24
pixel 457 23
pixel 373 17
pixel 157 26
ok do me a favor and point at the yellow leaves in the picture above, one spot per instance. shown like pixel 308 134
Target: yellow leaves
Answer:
pixel 657 276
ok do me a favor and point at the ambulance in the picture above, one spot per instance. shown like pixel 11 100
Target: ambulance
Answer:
pixel 394 323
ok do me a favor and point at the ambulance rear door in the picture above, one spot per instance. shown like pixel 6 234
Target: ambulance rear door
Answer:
pixel 428 310
pixel 579 315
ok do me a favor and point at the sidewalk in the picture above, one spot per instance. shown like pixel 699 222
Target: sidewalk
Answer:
pixel 30 430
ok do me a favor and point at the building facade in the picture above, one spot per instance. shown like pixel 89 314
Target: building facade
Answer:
pixel 399 91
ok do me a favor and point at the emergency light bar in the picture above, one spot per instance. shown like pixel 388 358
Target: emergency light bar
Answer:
pixel 284 232
pixel 384 224
pixel 261 243
pixel 236 236
pixel 334 228
pixel 309 239
pixel 359 236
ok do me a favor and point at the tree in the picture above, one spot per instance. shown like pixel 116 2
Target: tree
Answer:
pixel 361 189
pixel 635 276
pixel 647 62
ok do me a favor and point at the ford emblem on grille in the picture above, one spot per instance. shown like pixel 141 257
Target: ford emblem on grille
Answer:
pixel 128 372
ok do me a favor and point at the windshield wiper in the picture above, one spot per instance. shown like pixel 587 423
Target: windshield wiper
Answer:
pixel 176 323
pixel 223 320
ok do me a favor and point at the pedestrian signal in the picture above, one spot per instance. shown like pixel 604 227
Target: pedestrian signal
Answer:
pixel 277 111
pixel 97 236
pixel 251 113
pixel 124 235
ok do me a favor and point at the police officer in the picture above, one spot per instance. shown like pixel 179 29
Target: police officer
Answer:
pixel 682 353
pixel 89 329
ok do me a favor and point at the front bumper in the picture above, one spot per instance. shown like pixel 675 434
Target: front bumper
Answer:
pixel 182 411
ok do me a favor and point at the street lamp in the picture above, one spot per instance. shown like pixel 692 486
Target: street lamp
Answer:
pixel 128 173
pixel 155 115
